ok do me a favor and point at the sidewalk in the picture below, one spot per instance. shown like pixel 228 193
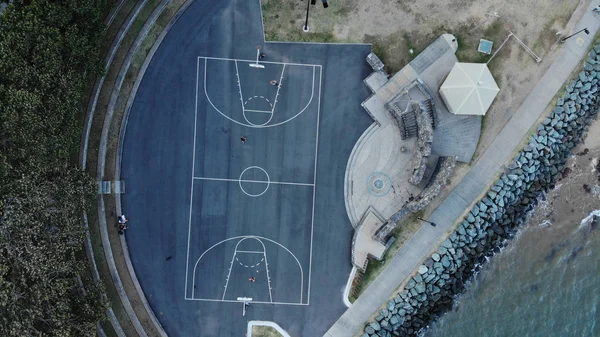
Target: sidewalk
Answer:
pixel 472 186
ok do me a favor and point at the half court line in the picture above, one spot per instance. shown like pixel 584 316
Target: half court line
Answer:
pixel 254 181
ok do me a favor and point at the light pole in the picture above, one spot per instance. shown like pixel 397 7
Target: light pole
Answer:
pixel 305 28
pixel 587 32
pixel 429 222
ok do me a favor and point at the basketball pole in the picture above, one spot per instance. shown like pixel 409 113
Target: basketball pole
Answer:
pixel 257 65
pixel 245 302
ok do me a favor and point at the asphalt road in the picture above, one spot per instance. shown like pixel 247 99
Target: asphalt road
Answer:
pixel 245 210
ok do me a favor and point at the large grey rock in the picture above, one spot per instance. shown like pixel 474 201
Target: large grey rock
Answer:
pixel 423 269
pixel 420 287
pixel 445 261
pixel 436 256
pixel 375 326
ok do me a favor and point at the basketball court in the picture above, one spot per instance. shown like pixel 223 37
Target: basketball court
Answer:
pixel 252 196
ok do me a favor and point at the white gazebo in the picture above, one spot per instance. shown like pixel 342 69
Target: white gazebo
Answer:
pixel 469 89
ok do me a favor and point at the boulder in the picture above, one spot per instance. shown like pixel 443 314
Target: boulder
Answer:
pixel 423 269
pixel 420 287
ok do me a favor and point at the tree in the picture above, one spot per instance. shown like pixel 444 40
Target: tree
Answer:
pixel 40 257
pixel 49 51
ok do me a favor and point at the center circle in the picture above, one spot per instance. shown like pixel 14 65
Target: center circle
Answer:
pixel 248 172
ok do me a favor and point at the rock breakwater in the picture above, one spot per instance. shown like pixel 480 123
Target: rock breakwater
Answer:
pixel 496 217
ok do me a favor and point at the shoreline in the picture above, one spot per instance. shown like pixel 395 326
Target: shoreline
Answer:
pixel 554 246
pixel 497 217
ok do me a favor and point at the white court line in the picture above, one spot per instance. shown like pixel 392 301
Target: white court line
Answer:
pixel 254 61
pixel 250 252
pixel 228 274
pixel 255 181
pixel 237 73
pixel 265 111
pixel 269 277
pixel 258 125
pixel 279 88
pixel 246 237
pixel 235 301
pixel 187 260
pixel 235 251
pixel 312 226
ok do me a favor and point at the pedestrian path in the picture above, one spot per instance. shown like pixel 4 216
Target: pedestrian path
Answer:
pixel 483 172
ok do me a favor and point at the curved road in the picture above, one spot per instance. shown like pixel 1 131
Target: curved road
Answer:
pixel 170 138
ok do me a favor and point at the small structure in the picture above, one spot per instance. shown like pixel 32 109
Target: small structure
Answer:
pixel 469 89
pixel 375 62
pixel 366 243
pixel 485 46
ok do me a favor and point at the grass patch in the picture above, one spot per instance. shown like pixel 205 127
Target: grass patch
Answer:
pixel 105 275
pixel 468 41
pixel 402 233
pixel 113 29
pixel 264 331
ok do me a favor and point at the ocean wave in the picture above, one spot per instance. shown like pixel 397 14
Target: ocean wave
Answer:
pixel 588 220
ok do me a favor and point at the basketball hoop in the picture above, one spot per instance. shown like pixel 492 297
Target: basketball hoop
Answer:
pixel 257 65
pixel 246 301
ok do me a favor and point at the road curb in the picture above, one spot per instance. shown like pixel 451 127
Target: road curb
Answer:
pixel 85 142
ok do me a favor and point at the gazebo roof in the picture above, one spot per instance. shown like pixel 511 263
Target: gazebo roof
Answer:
pixel 469 89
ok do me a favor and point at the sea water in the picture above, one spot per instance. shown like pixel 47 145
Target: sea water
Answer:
pixel 545 283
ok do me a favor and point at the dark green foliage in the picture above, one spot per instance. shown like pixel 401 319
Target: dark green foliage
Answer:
pixel 49 51
pixel 40 247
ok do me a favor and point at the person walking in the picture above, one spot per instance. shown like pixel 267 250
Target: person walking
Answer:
pixel 261 56
pixel 252 279
pixel 275 83
pixel 243 139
